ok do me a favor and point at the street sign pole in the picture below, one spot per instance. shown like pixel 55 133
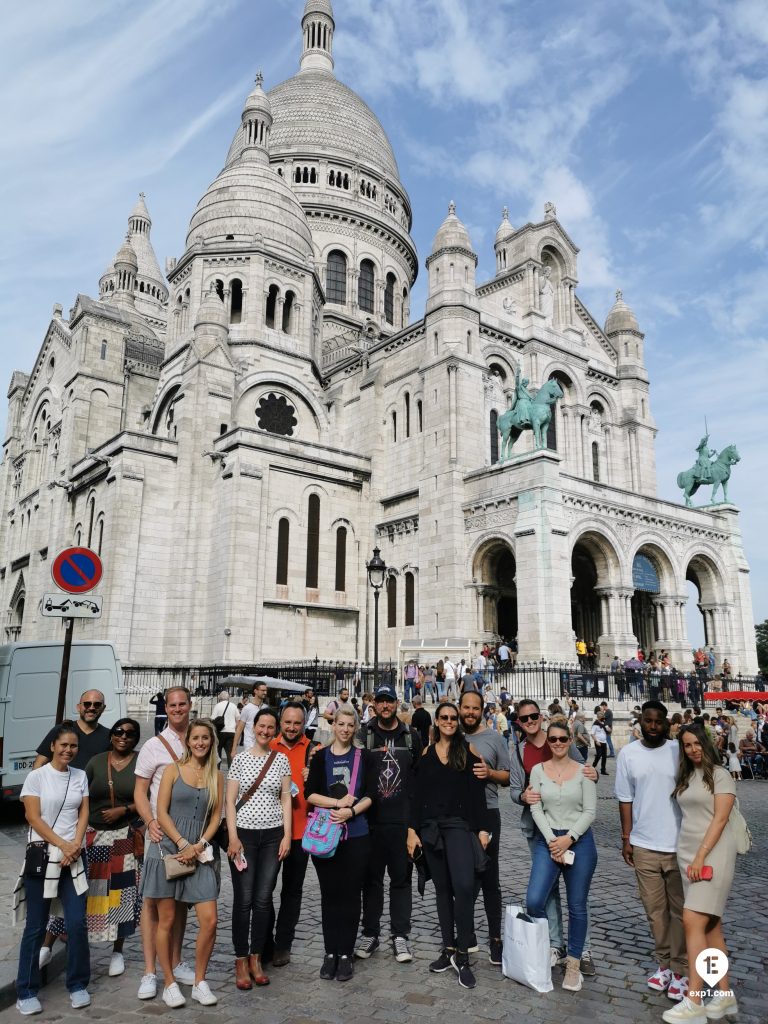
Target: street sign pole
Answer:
pixel 64 671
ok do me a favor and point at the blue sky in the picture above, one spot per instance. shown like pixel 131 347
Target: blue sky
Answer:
pixel 646 122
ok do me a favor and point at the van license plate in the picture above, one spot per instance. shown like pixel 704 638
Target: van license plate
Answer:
pixel 24 765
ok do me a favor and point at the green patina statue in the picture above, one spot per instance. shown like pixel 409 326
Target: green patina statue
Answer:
pixel 710 468
pixel 528 412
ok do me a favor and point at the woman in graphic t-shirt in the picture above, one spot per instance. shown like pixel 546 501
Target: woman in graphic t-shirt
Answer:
pixel 56 808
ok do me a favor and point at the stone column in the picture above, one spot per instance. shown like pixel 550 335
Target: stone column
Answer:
pixel 279 312
pixel 453 370
pixel 529 289
pixel 536 297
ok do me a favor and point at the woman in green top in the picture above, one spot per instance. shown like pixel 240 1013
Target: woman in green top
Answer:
pixel 564 843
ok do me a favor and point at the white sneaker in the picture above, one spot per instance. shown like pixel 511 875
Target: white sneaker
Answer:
pixel 685 1012
pixel 721 1005
pixel 184 974
pixel 148 987
pixel 80 999
pixel 556 956
pixel 678 987
pixel 172 996
pixel 46 953
pixel 116 965
pixel 202 993
pixel 27 1007
pixel 661 980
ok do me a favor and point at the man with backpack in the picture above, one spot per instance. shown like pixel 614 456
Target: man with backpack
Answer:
pixel 394 749
pixel 224 717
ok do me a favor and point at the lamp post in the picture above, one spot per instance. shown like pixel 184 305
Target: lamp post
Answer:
pixel 376 571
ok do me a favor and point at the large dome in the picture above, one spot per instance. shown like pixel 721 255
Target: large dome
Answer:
pixel 314 113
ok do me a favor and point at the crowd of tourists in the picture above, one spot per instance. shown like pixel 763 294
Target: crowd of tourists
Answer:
pixel 122 840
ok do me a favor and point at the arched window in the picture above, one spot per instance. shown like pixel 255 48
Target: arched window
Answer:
pixel 283 536
pixel 313 540
pixel 235 301
pixel 394 427
pixel 494 437
pixel 100 541
pixel 365 287
pixel 103 350
pixel 420 414
pixel 91 519
pixel 410 602
pixel 404 311
pixel 336 277
pixel 220 288
pixel 288 313
pixel 565 384
pixel 595 462
pixel 331 177
pixel 391 602
pixel 341 558
pixel 313 176
pixel 389 299
pixel 407 415
pixel 271 305
pixel 297 176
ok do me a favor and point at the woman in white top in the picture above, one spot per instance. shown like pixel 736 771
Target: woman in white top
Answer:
pixel 259 838
pixel 600 737
pixel 56 808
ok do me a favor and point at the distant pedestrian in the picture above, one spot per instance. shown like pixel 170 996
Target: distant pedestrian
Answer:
pixel 421 721
pixel 224 717
pixel 161 718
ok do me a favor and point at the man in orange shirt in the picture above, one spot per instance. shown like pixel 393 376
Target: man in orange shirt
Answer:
pixel 292 742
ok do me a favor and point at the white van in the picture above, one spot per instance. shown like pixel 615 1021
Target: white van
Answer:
pixel 29 692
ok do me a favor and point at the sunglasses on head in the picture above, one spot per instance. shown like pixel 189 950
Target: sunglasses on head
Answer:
pixel 95 704
pixel 559 739
pixel 128 733
pixel 533 717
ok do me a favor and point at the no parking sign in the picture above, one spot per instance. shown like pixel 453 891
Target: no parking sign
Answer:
pixel 76 570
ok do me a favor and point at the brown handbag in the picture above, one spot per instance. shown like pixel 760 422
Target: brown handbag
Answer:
pixel 222 832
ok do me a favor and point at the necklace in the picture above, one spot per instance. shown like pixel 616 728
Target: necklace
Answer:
pixel 119 762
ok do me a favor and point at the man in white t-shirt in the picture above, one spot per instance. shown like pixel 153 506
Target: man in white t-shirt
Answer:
pixel 154 757
pixel 650 824
pixel 226 711
pixel 449 670
pixel 246 719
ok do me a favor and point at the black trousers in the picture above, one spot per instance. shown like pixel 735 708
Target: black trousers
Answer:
pixel 341 880
pixel 489 880
pixel 601 755
pixel 224 745
pixel 453 872
pixel 389 853
pixel 252 888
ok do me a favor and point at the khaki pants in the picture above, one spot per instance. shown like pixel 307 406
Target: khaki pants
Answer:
pixel 661 890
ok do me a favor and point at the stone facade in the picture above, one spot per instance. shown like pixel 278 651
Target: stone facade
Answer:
pixel 234 438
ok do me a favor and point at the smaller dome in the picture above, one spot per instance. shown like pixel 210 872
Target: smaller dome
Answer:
pixel 126 254
pixel 212 312
pixel 258 101
pixel 505 228
pixel 318 7
pixel 452 234
pixel 620 318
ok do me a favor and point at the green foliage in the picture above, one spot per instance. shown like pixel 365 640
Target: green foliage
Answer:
pixel 761 632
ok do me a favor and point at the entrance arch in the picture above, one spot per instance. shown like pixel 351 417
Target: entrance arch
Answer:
pixel 494 574
pixel 586 617
pixel 705 582
pixel 654 586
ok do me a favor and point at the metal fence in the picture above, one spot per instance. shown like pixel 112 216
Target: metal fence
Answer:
pixel 543 681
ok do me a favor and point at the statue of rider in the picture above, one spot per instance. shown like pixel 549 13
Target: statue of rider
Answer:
pixel 523 399
pixel 703 467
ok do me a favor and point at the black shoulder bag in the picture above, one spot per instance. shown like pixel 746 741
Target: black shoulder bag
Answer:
pixel 36 855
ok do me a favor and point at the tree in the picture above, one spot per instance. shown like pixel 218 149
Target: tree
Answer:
pixel 761 633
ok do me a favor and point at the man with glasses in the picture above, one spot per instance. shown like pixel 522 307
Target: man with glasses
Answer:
pixel 92 739
pixel 246 718
pixel 531 750
pixel 395 749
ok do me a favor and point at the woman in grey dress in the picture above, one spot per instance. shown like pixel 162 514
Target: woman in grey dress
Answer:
pixel 188 811
pixel 705 793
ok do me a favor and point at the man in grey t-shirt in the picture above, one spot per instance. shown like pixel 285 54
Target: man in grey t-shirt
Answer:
pixel 494 750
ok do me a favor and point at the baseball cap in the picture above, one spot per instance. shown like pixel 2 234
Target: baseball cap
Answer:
pixel 385 693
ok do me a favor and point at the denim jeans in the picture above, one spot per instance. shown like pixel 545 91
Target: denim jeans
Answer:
pixel 75 921
pixel 430 689
pixel 253 887
pixel 409 690
pixel 545 876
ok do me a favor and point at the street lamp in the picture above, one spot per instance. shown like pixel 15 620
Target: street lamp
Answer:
pixel 376 571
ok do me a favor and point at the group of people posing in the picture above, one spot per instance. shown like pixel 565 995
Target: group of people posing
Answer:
pixel 401 803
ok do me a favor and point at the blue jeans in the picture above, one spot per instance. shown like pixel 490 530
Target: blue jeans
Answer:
pixel 410 689
pixel 430 689
pixel 543 883
pixel 611 751
pixel 75 921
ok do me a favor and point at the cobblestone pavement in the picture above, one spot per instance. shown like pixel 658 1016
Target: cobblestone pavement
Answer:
pixel 383 991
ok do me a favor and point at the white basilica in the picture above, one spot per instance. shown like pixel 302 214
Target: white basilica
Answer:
pixel 235 436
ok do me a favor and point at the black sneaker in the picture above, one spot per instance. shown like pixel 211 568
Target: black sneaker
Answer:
pixel 443 962
pixel 497 947
pixel 587 964
pixel 345 969
pixel 460 964
pixel 401 949
pixel 328 970
pixel 367 947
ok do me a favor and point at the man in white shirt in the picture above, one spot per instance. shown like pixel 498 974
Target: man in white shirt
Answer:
pixel 154 757
pixel 246 719
pixel 450 678
pixel 650 824
pixel 227 713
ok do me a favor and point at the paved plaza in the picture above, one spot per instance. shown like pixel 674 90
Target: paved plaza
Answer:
pixel 383 991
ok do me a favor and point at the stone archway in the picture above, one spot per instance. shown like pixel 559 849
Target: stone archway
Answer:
pixel 494 575
pixel 656 606
pixel 703 574
pixel 598 605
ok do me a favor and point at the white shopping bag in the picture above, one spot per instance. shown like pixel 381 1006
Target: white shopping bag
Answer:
pixel 526 950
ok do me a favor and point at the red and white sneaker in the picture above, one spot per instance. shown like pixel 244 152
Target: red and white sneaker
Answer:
pixel 678 987
pixel 661 980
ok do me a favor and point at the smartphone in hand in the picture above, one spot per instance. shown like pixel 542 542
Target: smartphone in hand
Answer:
pixel 706 873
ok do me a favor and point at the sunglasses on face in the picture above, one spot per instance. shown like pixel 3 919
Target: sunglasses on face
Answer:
pixel 95 704
pixel 447 718
pixel 558 739
pixel 129 734
pixel 533 717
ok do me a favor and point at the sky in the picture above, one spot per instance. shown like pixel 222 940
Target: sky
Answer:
pixel 645 122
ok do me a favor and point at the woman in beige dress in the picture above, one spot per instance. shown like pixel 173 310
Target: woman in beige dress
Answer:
pixel 705 793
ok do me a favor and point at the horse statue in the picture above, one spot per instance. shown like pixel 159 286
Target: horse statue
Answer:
pixel 533 412
pixel 717 473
